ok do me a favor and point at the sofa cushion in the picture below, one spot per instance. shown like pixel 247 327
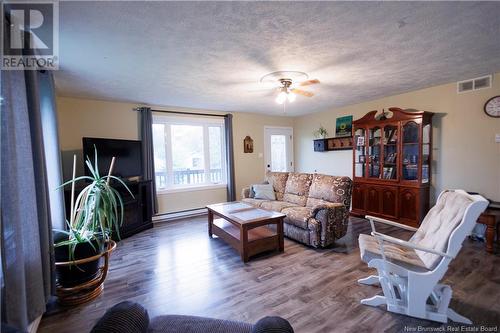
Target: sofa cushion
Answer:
pixel 297 216
pixel 254 202
pixel 124 317
pixel 272 325
pixel 193 324
pixel 264 191
pixel 329 188
pixel 251 192
pixel 297 188
pixel 369 249
pixel 277 206
pixel 438 225
pixel 278 180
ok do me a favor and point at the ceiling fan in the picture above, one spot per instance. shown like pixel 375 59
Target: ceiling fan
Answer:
pixel 288 92
pixel 288 89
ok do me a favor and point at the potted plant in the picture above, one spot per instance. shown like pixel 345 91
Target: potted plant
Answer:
pixel 95 214
pixel 321 133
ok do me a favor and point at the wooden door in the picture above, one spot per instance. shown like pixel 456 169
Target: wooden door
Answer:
pixel 408 205
pixel 358 198
pixel 372 200
pixel 389 205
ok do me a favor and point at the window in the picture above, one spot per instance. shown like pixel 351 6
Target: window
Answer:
pixel 188 152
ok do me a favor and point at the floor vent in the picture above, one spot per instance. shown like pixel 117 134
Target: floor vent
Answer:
pixel 478 83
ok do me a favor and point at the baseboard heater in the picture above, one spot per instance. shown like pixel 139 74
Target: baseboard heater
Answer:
pixel 166 217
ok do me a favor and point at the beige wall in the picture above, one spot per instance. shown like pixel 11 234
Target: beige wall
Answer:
pixel 465 153
pixel 83 117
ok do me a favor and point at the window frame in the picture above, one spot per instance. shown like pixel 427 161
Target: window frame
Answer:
pixel 205 123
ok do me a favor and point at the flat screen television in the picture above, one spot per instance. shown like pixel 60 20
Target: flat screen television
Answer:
pixel 128 153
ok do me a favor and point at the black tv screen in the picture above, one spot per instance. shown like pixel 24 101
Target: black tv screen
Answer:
pixel 128 162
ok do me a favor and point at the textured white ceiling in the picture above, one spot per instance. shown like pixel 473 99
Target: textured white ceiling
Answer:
pixel 211 55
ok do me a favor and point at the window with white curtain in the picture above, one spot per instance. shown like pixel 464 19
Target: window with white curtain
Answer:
pixel 189 152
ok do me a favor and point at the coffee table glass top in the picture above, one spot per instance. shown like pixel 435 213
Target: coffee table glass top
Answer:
pixel 243 212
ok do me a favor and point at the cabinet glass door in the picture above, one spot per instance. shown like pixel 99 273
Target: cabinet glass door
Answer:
pixel 426 146
pixel 374 150
pixel 390 142
pixel 410 151
pixel 359 153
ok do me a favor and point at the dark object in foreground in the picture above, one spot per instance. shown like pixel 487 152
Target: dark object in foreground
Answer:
pixel 130 317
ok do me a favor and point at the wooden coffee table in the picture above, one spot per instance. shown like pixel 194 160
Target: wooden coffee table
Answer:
pixel 244 227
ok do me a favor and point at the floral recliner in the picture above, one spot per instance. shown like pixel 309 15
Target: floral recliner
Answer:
pixel 316 206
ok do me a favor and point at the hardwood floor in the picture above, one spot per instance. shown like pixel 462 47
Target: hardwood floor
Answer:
pixel 175 268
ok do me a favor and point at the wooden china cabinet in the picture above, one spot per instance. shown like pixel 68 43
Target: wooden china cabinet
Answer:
pixel 392 156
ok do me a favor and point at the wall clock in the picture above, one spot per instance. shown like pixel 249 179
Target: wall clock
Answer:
pixel 492 107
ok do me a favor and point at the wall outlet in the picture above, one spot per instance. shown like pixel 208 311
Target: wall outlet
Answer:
pixel 497 138
pixel 261 155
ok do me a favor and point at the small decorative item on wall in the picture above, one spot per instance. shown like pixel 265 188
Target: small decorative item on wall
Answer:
pixel 248 145
pixel 321 133
pixel 492 107
pixel 343 126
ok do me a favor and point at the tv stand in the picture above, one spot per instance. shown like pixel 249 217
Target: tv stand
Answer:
pixel 137 210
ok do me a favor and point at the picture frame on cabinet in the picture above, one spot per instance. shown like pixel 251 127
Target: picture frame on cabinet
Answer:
pixel 391 158
pixel 392 136
pixel 388 173
pixel 360 141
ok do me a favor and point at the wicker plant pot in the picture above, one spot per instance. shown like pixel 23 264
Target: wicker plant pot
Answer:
pixel 89 290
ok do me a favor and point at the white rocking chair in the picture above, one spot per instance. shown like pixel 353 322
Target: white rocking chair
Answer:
pixel 409 271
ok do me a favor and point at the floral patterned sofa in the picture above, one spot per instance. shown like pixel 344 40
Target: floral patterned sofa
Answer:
pixel 316 206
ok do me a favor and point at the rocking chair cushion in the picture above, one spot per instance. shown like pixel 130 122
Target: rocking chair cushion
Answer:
pixel 401 256
pixel 438 225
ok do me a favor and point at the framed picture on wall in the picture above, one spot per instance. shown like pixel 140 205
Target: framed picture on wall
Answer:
pixel 343 126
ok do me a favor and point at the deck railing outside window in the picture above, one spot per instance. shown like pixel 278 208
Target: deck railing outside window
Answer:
pixel 189 177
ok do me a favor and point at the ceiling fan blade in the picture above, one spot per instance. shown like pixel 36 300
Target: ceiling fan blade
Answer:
pixel 309 82
pixel 302 92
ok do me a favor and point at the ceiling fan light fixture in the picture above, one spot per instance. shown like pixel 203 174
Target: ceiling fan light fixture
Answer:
pixel 281 98
pixel 287 92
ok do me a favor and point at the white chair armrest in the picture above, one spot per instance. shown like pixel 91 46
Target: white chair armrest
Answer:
pixel 394 224
pixel 382 237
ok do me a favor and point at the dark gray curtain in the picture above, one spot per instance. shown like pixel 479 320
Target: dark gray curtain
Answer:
pixel 26 238
pixel 148 162
pixel 231 187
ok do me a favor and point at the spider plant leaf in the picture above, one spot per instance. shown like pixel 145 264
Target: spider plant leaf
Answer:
pixel 65 242
pixel 96 206
pixel 91 169
pixel 120 201
pixel 92 245
pixel 118 205
pixel 113 202
pixel 95 162
pixel 74 181
pixel 62 231
pixel 122 182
